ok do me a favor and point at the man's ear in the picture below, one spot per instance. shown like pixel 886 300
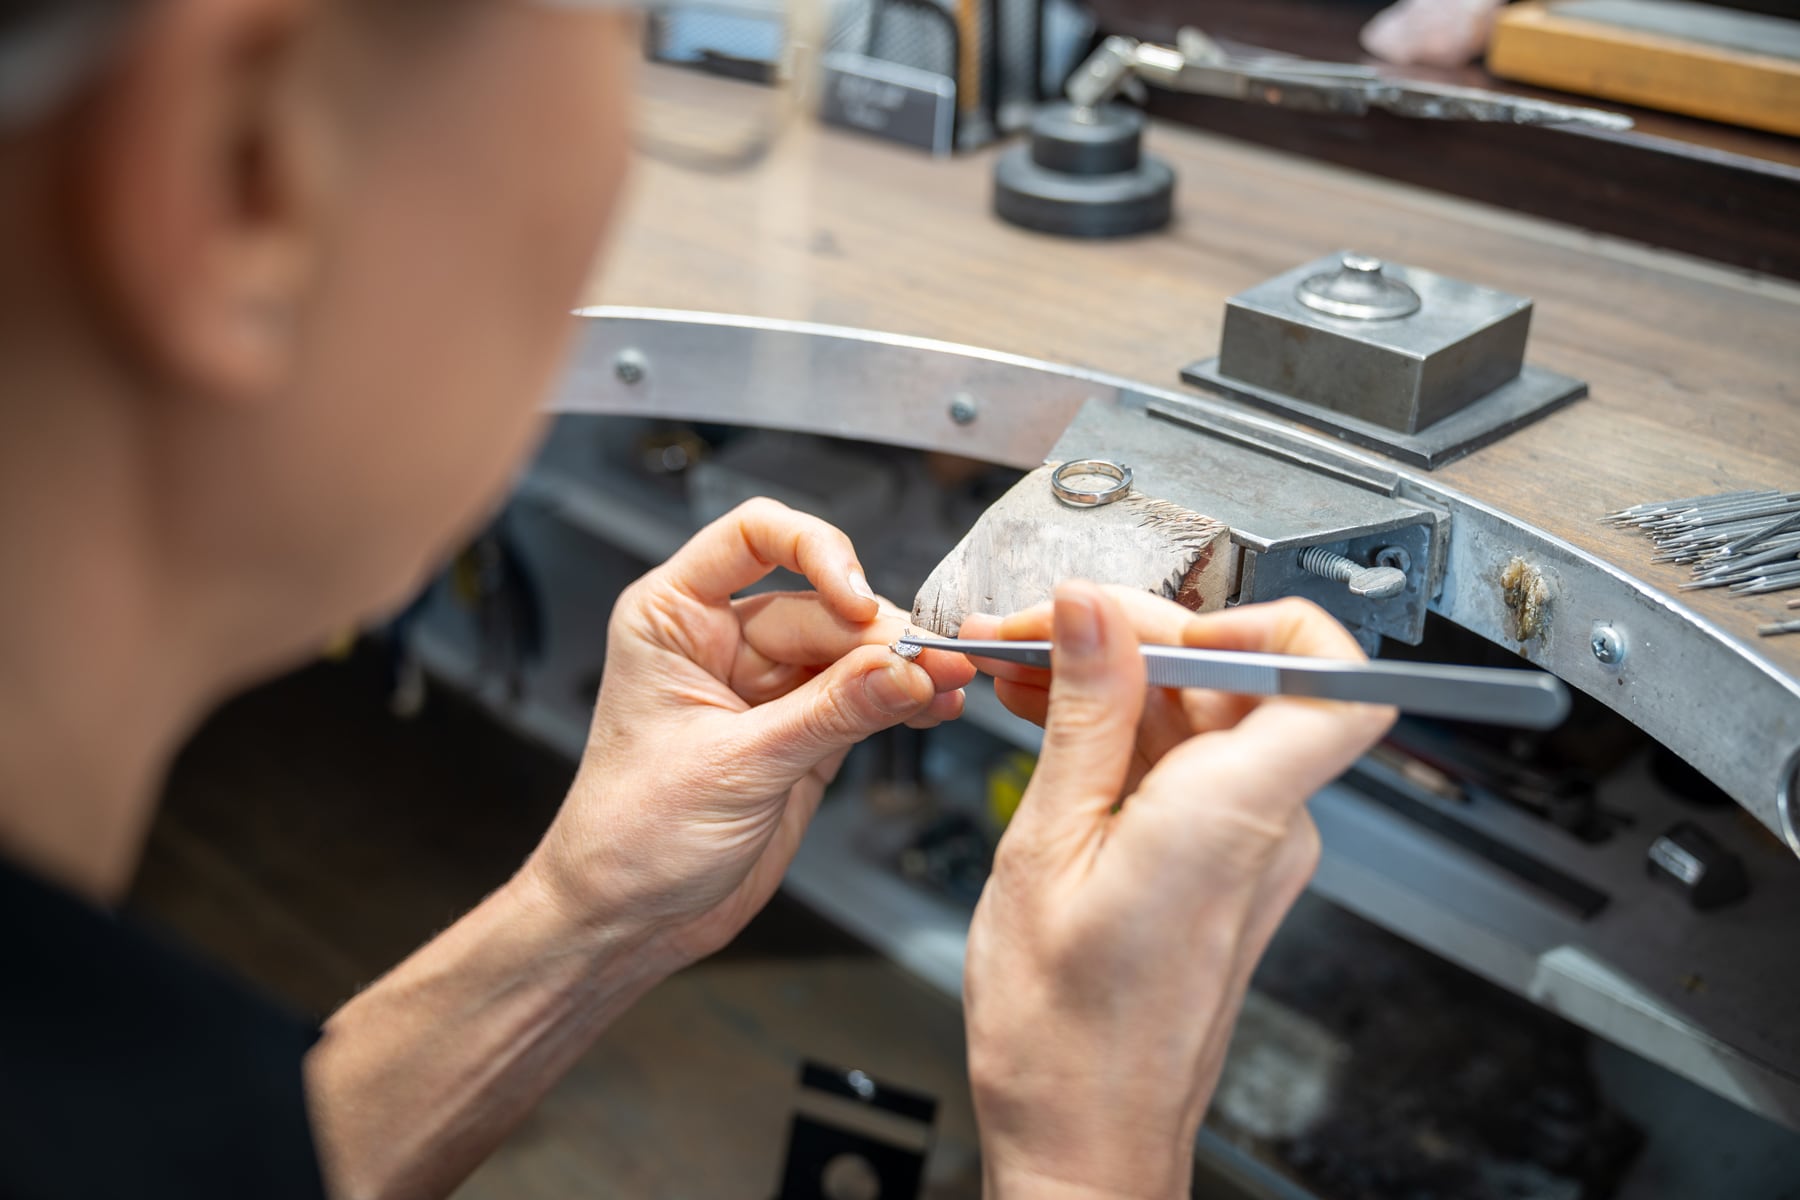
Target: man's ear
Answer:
pixel 199 180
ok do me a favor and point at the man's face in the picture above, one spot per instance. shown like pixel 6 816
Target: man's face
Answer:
pixel 465 184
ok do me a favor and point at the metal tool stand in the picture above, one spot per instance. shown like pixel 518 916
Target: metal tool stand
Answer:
pixel 1084 174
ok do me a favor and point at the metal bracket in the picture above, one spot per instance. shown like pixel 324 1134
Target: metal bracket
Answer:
pixel 1533 394
pixel 1279 500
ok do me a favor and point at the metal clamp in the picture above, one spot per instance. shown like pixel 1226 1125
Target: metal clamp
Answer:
pixel 1083 498
pixel 1379 582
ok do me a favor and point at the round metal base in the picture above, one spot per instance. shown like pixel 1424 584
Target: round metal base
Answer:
pixel 1089 206
pixel 1083 174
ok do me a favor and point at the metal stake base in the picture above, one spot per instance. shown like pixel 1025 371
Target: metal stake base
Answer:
pixel 1534 393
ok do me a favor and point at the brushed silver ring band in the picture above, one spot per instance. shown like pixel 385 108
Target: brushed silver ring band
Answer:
pixel 1081 497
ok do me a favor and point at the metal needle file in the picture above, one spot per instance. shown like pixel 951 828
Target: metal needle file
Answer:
pixel 1746 542
pixel 1525 698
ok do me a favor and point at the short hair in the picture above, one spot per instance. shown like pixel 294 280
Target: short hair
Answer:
pixel 45 48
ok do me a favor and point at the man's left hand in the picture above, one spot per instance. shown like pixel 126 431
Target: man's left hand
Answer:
pixel 720 723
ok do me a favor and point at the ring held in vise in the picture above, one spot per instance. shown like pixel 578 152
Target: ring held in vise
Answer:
pixel 1081 498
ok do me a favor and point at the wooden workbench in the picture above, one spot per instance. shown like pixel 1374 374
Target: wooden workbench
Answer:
pixel 1692 367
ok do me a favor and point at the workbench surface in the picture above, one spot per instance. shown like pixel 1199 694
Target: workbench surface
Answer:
pixel 1691 366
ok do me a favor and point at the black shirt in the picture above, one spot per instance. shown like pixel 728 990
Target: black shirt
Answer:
pixel 128 1069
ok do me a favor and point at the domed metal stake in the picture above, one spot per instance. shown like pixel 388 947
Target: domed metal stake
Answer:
pixel 1359 290
pixel 1084 174
pixel 1415 364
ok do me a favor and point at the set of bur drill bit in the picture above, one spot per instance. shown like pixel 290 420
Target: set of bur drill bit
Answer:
pixel 1747 541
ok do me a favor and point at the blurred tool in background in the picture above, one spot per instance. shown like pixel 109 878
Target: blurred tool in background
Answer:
pixel 998 58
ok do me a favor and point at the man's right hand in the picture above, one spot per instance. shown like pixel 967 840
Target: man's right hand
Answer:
pixel 1162 839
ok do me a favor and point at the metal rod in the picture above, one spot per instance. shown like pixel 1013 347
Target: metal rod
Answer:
pixel 1767 545
pixel 1724 527
pixel 1704 507
pixel 1779 525
pixel 1712 518
pixel 1739 565
pixel 1626 514
pixel 1763 586
pixel 1655 508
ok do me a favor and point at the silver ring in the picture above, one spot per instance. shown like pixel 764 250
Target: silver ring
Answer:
pixel 1080 498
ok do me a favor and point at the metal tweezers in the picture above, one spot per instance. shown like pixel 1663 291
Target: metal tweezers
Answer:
pixel 1529 699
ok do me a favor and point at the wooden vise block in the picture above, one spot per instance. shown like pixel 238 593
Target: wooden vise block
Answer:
pixel 1030 541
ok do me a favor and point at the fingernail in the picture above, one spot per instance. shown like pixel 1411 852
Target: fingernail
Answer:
pixel 860 585
pixel 888 691
pixel 1077 625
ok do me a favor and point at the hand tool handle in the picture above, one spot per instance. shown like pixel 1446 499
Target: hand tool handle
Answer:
pixel 1530 699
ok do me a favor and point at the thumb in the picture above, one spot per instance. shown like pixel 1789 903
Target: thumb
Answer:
pixel 1096 699
pixel 866 691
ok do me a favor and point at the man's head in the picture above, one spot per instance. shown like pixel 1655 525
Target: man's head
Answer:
pixel 283 281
